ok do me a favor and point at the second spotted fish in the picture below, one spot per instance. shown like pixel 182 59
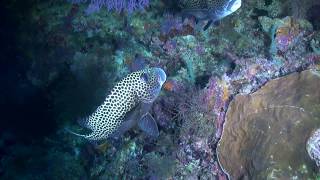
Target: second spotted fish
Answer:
pixel 211 10
pixel 127 105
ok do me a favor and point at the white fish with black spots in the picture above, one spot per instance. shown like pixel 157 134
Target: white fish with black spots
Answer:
pixel 127 105
pixel 211 10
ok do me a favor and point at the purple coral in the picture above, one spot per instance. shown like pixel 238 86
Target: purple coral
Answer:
pixel 113 5
pixel 283 42
pixel 171 23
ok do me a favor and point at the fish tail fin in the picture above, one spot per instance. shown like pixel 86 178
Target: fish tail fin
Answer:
pixel 74 133
pixel 91 136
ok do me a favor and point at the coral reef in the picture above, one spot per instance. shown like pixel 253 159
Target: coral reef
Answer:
pixel 284 33
pixel 73 57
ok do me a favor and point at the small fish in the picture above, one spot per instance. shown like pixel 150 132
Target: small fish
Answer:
pixel 212 10
pixel 127 104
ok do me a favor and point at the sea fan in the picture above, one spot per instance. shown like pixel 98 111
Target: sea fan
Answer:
pixel 113 5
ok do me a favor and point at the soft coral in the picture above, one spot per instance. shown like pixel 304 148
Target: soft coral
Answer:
pixel 116 5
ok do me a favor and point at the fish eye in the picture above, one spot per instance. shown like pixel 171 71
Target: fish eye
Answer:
pixel 144 77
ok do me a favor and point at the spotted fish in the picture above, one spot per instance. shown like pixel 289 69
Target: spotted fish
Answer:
pixel 127 105
pixel 212 10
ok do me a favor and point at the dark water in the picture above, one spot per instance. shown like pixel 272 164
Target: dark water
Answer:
pixel 25 109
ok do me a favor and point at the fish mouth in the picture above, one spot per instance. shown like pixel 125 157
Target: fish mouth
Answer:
pixel 234 5
pixel 162 77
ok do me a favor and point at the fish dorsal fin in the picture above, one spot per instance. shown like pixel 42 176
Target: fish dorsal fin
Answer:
pixel 148 125
pixel 138 63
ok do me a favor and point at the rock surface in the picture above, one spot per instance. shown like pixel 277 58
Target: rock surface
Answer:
pixel 266 132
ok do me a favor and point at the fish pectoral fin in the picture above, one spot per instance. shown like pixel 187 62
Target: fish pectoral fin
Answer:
pixel 207 25
pixel 148 125
pixel 124 127
pixel 128 121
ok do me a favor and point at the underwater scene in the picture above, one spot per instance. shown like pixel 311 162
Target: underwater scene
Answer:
pixel 160 90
